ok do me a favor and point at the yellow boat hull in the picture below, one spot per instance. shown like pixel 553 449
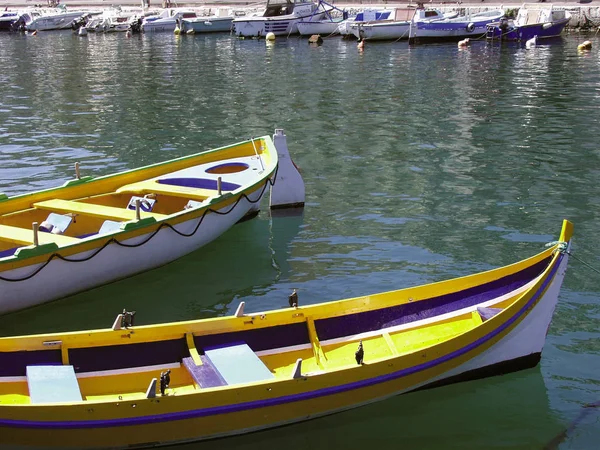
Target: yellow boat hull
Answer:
pixel 413 338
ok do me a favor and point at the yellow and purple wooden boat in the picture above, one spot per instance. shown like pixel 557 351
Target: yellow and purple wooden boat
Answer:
pixel 92 231
pixel 186 381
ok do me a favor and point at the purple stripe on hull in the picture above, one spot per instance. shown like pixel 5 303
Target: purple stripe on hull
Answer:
pixel 336 327
pixel 259 339
pixel 205 375
pixel 295 397
pixel 13 364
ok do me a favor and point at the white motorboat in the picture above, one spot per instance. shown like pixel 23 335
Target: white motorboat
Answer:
pixel 52 18
pixel 367 15
pixel 220 21
pixel 280 17
pixel 111 20
pixel 167 20
pixel 327 26
pixel 468 25
pixel 13 20
pixel 398 25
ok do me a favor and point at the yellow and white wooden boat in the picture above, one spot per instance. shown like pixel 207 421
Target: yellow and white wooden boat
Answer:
pixel 92 231
pixel 186 381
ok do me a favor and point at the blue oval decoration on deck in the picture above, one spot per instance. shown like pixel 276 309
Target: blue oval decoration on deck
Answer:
pixel 199 183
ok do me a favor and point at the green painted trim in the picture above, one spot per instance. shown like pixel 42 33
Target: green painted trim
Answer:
pixel 77 181
pixel 32 250
pixel 134 225
pixel 220 198
pixel 3 197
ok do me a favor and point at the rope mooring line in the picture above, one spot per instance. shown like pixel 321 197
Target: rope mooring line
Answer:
pixel 589 266
pixel 269 181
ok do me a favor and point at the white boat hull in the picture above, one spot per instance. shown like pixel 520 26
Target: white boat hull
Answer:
pixel 207 25
pixel 381 31
pixel 283 25
pixel 53 22
pixel 61 278
pixel 324 28
pixel 526 339
pixel 159 26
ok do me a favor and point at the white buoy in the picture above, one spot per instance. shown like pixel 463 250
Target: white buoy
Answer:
pixel 464 43
pixel 270 36
pixel 288 189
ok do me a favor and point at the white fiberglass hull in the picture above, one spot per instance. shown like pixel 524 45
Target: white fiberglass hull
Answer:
pixel 381 31
pixel 324 28
pixel 53 22
pixel 261 26
pixel 159 25
pixel 61 278
pixel 207 25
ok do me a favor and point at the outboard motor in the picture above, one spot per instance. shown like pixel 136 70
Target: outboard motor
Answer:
pixel 136 25
pixel 80 22
pixel 18 25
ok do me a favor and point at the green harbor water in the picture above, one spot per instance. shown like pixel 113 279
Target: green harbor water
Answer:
pixel 420 163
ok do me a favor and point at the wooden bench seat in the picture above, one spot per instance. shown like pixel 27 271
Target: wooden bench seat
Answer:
pixel 152 187
pixel 24 236
pixel 89 209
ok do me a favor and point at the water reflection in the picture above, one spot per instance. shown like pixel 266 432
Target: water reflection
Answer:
pixel 420 163
pixel 459 416
pixel 206 283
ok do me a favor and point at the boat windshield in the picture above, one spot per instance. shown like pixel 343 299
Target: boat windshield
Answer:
pixel 279 8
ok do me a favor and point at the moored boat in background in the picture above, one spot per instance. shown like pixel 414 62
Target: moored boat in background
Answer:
pixel 13 20
pixel 469 25
pixel 396 26
pixel 166 20
pixel 533 20
pixel 367 15
pixel 155 385
pixel 111 20
pixel 279 17
pixel 59 18
pixel 325 26
pixel 220 21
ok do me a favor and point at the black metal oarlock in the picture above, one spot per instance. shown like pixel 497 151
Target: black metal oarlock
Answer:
pixel 127 318
pixel 360 354
pixel 293 299
pixel 165 380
